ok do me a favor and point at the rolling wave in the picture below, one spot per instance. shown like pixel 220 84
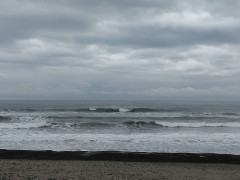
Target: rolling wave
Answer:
pixel 99 125
pixel 118 125
pixel 133 110
pixel 3 118
pixel 110 110
pixel 140 124
pixel 230 114
pixel 99 110
pixel 86 125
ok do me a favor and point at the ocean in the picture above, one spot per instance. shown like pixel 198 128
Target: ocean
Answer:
pixel 136 126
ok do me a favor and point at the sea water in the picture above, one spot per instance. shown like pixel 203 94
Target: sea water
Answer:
pixel 137 126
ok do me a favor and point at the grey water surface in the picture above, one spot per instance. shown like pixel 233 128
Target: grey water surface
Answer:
pixel 146 126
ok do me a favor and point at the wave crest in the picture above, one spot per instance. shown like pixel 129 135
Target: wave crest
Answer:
pixel 140 124
pixel 3 118
pixel 98 109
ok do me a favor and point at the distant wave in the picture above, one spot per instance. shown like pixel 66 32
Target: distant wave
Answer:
pixel 106 110
pixel 3 118
pixel 185 114
pixel 98 110
pixel 230 114
pixel 140 109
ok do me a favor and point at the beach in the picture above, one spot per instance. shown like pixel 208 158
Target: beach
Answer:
pixel 49 165
pixel 70 169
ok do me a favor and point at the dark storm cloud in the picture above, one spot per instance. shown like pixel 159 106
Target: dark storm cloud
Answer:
pixel 119 49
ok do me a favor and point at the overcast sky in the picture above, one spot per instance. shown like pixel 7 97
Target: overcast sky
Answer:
pixel 120 49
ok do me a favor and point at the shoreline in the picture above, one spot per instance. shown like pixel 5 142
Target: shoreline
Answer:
pixel 120 156
pixel 82 165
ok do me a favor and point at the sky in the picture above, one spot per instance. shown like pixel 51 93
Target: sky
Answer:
pixel 120 49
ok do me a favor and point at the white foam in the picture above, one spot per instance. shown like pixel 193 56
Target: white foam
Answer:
pixel 198 124
pixel 92 109
pixel 124 110
pixel 149 142
pixel 24 123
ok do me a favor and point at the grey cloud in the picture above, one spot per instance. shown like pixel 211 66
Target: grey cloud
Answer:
pixel 25 26
pixel 119 49
pixel 167 37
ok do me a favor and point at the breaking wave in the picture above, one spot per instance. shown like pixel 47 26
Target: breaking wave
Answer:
pixel 77 125
pixel 140 124
pixel 98 110
pixel 180 124
pixel 120 125
pixel 131 110
pixel 230 114
pixel 4 118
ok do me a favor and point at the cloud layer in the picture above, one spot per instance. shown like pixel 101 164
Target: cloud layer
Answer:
pixel 111 49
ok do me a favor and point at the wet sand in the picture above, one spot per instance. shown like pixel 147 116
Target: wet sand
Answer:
pixel 50 165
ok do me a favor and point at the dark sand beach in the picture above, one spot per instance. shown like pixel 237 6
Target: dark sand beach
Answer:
pixel 48 165
pixel 72 169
